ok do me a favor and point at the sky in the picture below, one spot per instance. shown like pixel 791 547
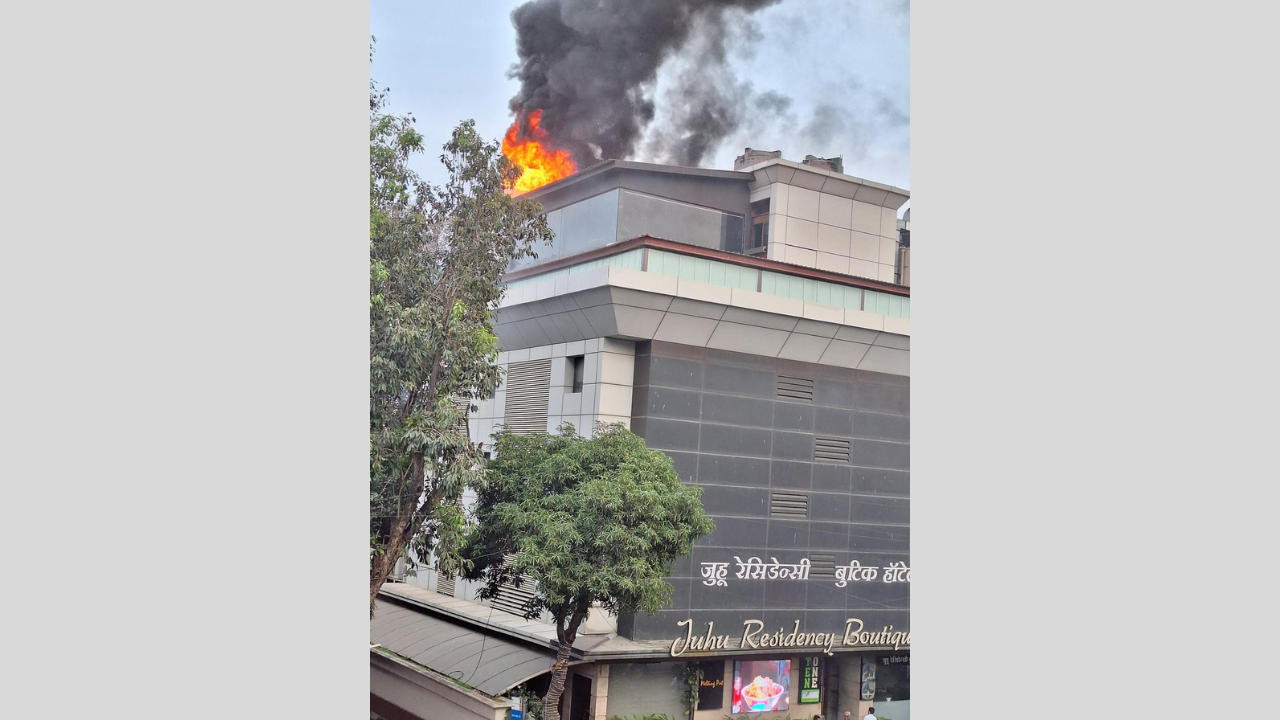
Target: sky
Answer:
pixel 844 63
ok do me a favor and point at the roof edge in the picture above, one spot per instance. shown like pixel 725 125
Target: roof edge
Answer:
pixel 409 665
pixel 607 165
pixel 830 173
pixel 445 613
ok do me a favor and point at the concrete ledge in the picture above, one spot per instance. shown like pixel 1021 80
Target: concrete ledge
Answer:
pixel 823 313
pixel 646 281
pixel 897 326
pixel 864 319
pixel 705 292
pixel 769 327
pixel 752 300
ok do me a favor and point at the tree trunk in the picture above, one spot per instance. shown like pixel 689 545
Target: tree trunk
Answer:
pixel 560 669
pixel 559 673
pixel 401 530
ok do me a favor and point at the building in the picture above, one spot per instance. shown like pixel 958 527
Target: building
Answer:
pixel 754 325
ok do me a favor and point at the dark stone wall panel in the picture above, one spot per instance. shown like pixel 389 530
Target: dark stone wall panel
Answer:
pixel 718 416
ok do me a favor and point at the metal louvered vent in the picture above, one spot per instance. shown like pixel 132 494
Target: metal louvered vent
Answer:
pixel 464 406
pixel 528 394
pixel 789 505
pixel 822 566
pixel 830 450
pixel 794 388
pixel 445 584
pixel 512 597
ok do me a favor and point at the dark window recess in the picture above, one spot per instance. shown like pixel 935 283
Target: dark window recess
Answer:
pixel 581 698
pixel 794 388
pixel 445 584
pixel 759 237
pixel 830 450
pixel 577 365
pixel 822 566
pixel 789 505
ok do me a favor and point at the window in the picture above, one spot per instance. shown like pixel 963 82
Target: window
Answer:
pixel 577 365
pixel 893 678
pixel 902 258
pixel 759 228
pixel 578 227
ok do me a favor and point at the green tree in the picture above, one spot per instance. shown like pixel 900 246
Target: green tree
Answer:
pixel 436 255
pixel 590 520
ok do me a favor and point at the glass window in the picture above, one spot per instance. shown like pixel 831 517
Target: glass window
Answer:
pixel 892 678
pixel 543 252
pixel 759 227
pixel 584 225
pixel 589 224
pixel 731 233
pixel 759 234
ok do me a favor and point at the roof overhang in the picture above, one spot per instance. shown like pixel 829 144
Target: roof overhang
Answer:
pixel 487 661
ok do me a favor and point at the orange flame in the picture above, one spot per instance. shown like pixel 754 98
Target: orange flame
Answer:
pixel 541 164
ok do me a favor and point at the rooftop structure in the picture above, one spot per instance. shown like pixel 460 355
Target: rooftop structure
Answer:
pixel 804 214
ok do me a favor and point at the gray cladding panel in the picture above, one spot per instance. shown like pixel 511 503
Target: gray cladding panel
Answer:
pixel 741 435
pixel 668 402
pixel 793 416
pixel 736 410
pixel 732 440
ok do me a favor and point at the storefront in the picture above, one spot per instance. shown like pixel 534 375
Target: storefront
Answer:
pixel 886 684
pixel 767 687
pixel 758 675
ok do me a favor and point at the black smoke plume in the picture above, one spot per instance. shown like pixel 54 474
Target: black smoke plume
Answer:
pixel 591 65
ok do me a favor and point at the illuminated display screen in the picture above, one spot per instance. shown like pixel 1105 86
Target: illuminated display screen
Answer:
pixel 761 686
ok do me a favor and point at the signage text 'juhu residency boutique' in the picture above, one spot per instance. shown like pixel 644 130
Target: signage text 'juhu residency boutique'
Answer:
pixel 754 637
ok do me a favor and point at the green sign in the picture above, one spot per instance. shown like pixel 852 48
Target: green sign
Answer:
pixel 809 673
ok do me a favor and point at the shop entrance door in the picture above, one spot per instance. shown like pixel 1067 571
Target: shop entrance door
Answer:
pixel 580 709
pixel 831 690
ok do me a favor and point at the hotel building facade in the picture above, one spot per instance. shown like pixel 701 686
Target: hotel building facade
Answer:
pixel 754 326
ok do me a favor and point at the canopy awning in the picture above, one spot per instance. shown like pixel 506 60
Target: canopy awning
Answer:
pixel 489 663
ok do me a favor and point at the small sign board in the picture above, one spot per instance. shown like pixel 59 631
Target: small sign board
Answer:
pixel 810 691
pixel 868 678
pixel 711 690
pixel 517 708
